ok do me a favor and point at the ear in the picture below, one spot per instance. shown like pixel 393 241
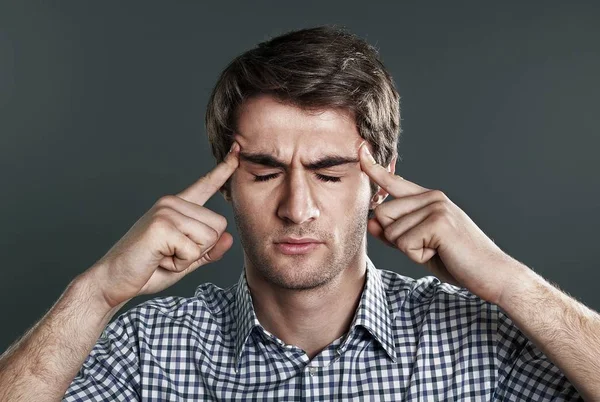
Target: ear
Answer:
pixel 381 194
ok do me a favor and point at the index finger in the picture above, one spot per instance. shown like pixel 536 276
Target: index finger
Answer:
pixel 394 185
pixel 209 184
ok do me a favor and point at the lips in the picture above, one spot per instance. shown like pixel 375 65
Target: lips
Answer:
pixel 294 246
pixel 301 240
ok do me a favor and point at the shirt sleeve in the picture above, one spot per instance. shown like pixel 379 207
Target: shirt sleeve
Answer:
pixel 111 370
pixel 524 372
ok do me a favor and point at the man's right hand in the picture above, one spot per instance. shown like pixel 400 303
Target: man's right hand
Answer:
pixel 176 236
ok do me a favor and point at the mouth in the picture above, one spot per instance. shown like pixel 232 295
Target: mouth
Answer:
pixel 294 246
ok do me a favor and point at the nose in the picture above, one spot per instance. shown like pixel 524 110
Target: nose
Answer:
pixel 298 204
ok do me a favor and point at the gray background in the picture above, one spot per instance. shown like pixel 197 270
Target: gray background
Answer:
pixel 102 107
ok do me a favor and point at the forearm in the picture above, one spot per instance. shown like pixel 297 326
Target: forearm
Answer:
pixel 42 363
pixel 565 330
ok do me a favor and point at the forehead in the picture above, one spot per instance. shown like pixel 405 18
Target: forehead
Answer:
pixel 265 124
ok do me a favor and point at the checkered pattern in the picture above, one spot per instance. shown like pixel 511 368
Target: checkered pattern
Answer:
pixel 410 340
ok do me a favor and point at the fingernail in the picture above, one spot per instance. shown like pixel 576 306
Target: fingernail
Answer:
pixel 234 147
pixel 368 154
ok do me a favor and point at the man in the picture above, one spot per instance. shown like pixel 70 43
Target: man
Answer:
pixel 311 119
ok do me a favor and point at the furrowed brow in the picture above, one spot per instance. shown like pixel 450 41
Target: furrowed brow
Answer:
pixel 262 159
pixel 330 161
pixel 322 163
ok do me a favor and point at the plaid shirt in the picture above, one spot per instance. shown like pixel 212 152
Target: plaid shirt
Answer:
pixel 410 340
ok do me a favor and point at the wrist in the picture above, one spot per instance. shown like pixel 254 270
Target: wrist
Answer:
pixel 87 290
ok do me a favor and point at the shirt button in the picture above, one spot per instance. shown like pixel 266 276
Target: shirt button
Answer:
pixel 312 371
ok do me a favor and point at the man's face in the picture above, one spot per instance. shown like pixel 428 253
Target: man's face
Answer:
pixel 277 194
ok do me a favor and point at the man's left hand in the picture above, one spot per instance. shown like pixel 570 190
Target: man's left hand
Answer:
pixel 430 229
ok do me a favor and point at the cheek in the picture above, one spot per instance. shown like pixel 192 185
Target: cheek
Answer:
pixel 357 190
pixel 349 201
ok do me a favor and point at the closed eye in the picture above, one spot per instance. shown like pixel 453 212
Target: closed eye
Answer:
pixel 321 177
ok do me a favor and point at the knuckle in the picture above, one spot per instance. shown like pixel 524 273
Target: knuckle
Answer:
pixel 221 223
pixel 206 236
pixel 160 223
pixel 440 208
pixel 400 243
pixel 166 201
pixel 212 235
pixel 163 212
pixel 388 231
pixel 439 195
pixel 381 213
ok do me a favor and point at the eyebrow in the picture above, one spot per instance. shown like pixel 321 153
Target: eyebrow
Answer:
pixel 322 163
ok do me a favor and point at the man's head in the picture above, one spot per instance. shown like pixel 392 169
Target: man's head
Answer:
pixel 300 105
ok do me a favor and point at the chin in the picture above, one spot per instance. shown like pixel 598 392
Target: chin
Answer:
pixel 296 272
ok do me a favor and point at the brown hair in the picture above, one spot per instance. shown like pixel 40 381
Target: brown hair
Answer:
pixel 316 68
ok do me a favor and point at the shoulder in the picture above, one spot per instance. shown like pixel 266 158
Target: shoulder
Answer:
pixel 424 290
pixel 428 296
pixel 210 304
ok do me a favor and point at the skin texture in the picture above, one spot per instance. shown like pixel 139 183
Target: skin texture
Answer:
pixel 296 296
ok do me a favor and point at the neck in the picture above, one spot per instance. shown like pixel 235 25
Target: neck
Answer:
pixel 310 319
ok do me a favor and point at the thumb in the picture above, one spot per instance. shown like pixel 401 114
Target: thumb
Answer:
pixel 214 253
pixel 376 230
pixel 220 248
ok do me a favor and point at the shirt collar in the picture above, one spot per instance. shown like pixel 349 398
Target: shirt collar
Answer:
pixel 372 313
